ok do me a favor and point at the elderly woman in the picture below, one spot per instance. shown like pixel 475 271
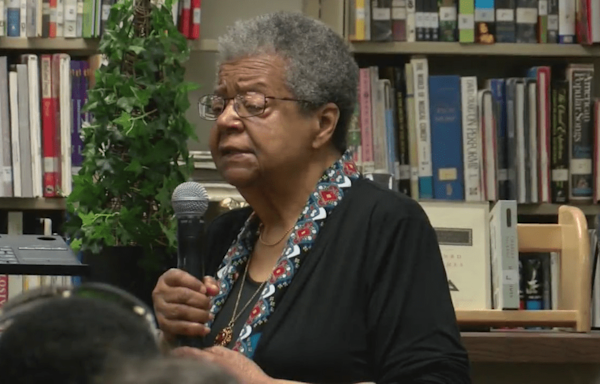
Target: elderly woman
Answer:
pixel 326 277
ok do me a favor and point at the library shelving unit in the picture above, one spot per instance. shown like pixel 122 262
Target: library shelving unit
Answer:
pixel 571 340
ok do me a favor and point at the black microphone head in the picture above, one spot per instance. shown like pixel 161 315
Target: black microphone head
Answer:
pixel 189 198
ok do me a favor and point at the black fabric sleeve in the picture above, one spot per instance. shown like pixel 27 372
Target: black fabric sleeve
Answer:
pixel 411 320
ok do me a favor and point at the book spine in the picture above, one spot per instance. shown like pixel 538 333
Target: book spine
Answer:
pixel 196 17
pixel 6 172
pixel 553 21
pixel 484 22
pixel 403 144
pixel 542 23
pixel 505 255
pixel 421 76
pixel 399 20
pixel 448 20
pixel 366 127
pixel 13 18
pixel 359 20
pixel 566 21
pixel 381 20
pixel 50 175
pixel 466 21
pixel 471 139
pixel 505 21
pixel 411 22
pixel 446 137
pixel 527 17
pixel 560 142
pixel 411 125
pixel 580 123
pixel 498 89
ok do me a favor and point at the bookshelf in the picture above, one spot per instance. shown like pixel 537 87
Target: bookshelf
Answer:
pixel 32 204
pixel 78 45
pixel 458 49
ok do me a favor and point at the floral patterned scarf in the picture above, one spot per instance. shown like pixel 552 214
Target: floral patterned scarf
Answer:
pixel 328 193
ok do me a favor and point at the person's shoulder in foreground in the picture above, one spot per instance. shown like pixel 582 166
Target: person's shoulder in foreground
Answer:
pixel 411 319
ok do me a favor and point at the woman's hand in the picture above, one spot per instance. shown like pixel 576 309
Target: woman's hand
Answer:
pixel 182 303
pixel 243 369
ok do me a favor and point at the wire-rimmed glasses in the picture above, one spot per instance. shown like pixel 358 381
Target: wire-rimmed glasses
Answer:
pixel 246 104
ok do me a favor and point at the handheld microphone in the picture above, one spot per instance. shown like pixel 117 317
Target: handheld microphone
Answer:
pixel 190 202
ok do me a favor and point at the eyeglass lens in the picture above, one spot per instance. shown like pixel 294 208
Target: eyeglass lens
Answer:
pixel 245 105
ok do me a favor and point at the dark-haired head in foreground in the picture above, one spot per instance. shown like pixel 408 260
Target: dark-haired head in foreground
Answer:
pixel 68 341
pixel 167 370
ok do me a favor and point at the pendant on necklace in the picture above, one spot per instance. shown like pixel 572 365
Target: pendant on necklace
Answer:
pixel 224 337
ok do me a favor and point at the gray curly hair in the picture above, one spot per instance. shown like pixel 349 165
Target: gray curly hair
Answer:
pixel 320 67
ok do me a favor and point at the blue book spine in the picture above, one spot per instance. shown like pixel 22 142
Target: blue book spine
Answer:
pixel 498 89
pixel 446 137
pixel 13 16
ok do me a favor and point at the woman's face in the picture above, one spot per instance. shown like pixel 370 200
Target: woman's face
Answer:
pixel 272 144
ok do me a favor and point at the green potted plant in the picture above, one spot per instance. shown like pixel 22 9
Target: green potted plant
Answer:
pixel 135 149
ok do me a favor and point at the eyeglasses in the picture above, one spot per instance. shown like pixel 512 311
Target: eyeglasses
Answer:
pixel 32 298
pixel 247 104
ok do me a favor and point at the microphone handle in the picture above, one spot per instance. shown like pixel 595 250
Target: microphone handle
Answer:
pixel 190 258
pixel 190 245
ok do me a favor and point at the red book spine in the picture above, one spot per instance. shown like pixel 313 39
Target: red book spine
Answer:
pixel 53 16
pixel 196 19
pixel 49 149
pixel 186 18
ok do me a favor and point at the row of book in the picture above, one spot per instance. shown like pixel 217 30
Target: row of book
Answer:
pixel 532 139
pixel 79 18
pixel 485 270
pixel 474 21
pixel 41 117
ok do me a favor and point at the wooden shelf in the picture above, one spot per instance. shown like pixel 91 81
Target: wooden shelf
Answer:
pixel 499 49
pixel 497 318
pixel 552 209
pixel 49 44
pixel 78 45
pixel 531 346
pixel 27 204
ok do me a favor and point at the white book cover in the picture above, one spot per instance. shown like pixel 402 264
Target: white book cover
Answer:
pixel 60 18
pixel 14 133
pixel 504 248
pixel 472 139
pixel 464 237
pixel 23 18
pixel 6 172
pixel 70 17
pixel 35 124
pixel 65 124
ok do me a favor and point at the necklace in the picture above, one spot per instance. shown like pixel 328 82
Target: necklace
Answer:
pixel 275 243
pixel 226 335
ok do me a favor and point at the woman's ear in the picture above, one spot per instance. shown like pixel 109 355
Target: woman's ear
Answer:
pixel 328 116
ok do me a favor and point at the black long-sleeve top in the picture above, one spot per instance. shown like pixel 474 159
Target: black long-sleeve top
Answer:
pixel 371 302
